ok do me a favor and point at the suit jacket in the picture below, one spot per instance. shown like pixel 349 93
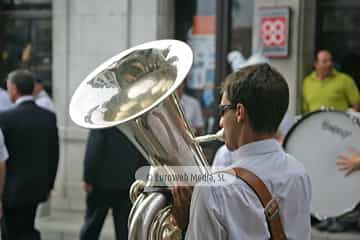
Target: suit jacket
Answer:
pixel 31 137
pixel 111 160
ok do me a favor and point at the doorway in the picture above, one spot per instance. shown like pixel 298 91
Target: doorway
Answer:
pixel 338 30
pixel 22 25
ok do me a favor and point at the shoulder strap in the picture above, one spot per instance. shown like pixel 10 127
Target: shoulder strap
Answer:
pixel 271 206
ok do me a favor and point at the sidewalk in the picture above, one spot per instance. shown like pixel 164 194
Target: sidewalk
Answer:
pixel 65 225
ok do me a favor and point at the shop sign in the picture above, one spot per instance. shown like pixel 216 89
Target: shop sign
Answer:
pixel 274 31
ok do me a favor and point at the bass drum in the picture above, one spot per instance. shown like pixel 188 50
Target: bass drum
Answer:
pixel 316 140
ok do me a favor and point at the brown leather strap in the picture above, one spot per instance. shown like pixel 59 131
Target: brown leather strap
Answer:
pixel 271 206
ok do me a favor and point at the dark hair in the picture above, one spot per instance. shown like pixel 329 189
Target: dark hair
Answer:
pixel 23 80
pixel 264 93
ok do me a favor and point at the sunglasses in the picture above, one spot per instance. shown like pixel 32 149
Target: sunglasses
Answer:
pixel 223 107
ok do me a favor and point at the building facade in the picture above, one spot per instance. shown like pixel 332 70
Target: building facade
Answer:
pixel 84 33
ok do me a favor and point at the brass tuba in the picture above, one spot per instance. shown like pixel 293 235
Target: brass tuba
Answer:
pixel 135 91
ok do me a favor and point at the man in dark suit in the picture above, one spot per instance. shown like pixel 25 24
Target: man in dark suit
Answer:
pixel 31 138
pixel 109 168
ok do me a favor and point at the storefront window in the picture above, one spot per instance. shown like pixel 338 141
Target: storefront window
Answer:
pixel 338 31
pixel 242 12
pixel 196 25
pixel 25 40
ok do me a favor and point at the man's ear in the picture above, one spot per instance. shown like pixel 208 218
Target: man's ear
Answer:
pixel 16 91
pixel 240 112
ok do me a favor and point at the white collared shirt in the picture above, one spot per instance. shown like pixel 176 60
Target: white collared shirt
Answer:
pixel 222 158
pixel 24 98
pixel 5 102
pixel 43 100
pixel 233 211
pixel 192 111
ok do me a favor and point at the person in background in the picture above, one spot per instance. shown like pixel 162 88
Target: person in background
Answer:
pixel 31 137
pixel 109 168
pixel 42 99
pixel 4 155
pixel 326 87
pixel 192 110
pixel 5 102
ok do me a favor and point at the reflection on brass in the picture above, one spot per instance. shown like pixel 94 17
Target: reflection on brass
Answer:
pixel 140 78
pixel 106 79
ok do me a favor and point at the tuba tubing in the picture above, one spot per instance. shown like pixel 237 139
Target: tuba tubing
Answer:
pixel 219 136
pixel 135 92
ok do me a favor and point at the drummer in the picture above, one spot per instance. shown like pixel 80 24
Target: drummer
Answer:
pixel 327 87
pixel 253 104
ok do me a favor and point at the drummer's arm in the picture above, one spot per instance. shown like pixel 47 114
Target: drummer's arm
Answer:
pixel 349 164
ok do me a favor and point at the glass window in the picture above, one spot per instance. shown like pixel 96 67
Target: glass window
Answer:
pixel 25 41
pixel 41 57
pixel 338 31
pixel 196 24
pixel 14 37
pixel 241 28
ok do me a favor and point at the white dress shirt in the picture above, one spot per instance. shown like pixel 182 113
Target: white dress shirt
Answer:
pixel 24 98
pixel 233 211
pixel 192 111
pixel 43 100
pixel 222 158
pixel 4 154
pixel 5 102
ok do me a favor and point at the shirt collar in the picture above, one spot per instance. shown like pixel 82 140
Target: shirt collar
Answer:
pixel 41 94
pixel 24 99
pixel 332 73
pixel 256 148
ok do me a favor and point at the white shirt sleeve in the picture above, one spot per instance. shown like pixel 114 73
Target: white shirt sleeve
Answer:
pixel 222 158
pixel 45 103
pixel 4 155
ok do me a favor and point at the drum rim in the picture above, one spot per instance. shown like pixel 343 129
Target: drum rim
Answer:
pixel 306 116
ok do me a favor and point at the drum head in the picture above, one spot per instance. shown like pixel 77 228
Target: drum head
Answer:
pixel 316 141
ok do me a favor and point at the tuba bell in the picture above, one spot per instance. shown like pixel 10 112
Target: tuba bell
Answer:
pixel 135 91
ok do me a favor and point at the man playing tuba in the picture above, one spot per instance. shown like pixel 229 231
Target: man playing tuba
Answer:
pixel 254 101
